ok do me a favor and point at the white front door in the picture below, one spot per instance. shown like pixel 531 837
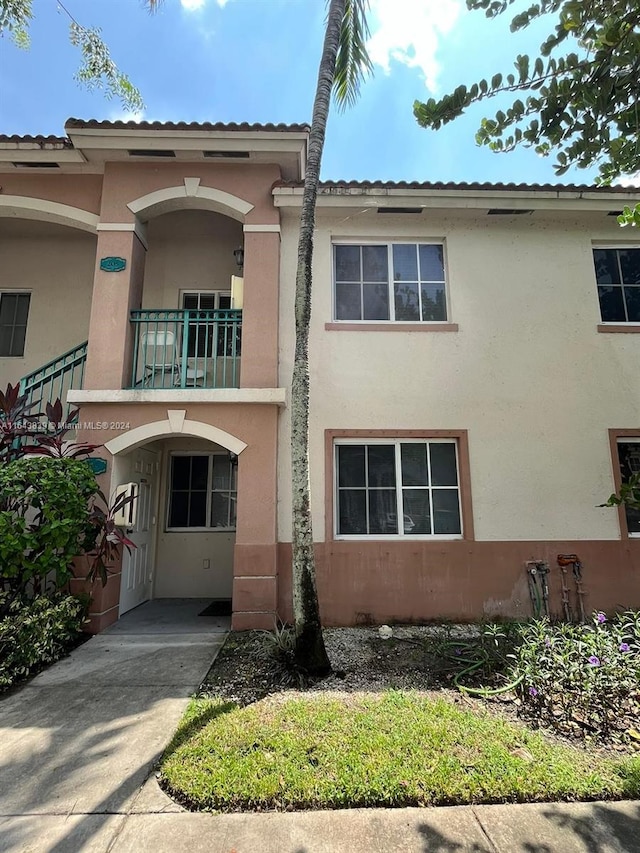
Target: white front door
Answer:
pixel 137 566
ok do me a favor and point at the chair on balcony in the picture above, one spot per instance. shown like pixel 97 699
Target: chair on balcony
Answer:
pixel 160 360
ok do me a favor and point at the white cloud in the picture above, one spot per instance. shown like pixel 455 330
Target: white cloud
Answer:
pixel 409 32
pixel 628 181
pixel 194 5
pixel 126 115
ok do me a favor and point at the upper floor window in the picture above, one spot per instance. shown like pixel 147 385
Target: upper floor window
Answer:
pixel 618 277
pixel 14 310
pixel 397 488
pixel 399 282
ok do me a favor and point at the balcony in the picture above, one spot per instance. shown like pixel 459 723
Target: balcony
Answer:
pixel 180 349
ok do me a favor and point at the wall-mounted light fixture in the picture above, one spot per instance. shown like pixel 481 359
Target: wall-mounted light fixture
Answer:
pixel 233 459
pixel 238 254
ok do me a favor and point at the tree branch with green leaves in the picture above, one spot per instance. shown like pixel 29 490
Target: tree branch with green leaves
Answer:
pixel 97 71
pixel 581 106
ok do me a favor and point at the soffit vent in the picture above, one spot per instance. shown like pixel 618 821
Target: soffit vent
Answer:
pixel 507 211
pixel 221 155
pixel 399 210
pixel 34 165
pixel 143 152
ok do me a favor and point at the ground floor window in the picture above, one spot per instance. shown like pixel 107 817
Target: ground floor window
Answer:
pixel 401 487
pixel 202 492
pixel 14 310
pixel 629 461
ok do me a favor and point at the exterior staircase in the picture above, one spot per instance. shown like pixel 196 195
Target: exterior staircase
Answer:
pixel 56 378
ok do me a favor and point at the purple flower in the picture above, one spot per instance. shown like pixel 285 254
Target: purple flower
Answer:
pixel 457 651
pixel 624 647
pixel 600 618
pixel 533 691
pixel 594 661
pixel 547 642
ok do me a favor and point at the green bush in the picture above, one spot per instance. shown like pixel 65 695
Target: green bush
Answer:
pixel 583 679
pixel 37 632
pixel 44 521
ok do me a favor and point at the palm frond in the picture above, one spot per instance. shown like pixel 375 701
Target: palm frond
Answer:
pixel 153 5
pixel 353 63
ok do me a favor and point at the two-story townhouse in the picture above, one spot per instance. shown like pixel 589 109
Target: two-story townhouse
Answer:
pixel 475 395
pixel 472 397
pixel 140 281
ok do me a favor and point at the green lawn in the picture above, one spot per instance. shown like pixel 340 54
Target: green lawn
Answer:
pixel 390 749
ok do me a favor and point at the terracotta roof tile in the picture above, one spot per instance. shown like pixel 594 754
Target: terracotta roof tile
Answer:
pixel 452 185
pixel 93 124
pixel 39 140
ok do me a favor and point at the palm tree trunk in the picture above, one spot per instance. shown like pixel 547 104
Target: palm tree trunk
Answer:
pixel 310 651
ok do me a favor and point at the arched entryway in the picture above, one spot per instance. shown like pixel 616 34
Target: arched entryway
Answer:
pixel 183 474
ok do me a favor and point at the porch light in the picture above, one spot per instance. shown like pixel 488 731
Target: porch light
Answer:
pixel 238 254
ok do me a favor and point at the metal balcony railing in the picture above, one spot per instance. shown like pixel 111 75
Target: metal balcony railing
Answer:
pixel 55 378
pixel 186 349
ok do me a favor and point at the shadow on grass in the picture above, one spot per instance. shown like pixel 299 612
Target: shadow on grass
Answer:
pixel 204 716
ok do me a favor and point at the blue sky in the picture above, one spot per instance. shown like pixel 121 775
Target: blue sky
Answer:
pixel 256 60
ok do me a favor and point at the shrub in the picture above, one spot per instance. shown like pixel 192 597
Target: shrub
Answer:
pixel 37 632
pixel 44 522
pixel 582 679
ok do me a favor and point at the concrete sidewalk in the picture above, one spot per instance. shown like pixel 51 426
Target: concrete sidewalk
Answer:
pixel 79 743
pixel 82 737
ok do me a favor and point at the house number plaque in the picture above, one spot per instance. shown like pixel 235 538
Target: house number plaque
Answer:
pixel 113 264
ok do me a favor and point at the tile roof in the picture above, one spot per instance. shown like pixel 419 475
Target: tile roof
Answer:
pixel 39 140
pixel 91 124
pixel 452 185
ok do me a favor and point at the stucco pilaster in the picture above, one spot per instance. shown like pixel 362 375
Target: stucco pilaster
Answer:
pixel 114 295
pixel 259 366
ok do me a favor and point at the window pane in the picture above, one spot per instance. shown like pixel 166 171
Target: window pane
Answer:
pixel 352 511
pixel 406 301
pixel 221 472
pixel 629 458
pixel 190 301
pixel 414 465
pixel 198 509
pixel 199 472
pixel 22 308
pixel 347 263
pixel 382 465
pixel 17 346
pixel 446 512
pixel 405 262
pixel 443 464
pixel 630 264
pixel 225 301
pixel 375 263
pixel 606 264
pixel 219 510
pixel 434 306
pixel 350 465
pixel 180 469
pixel 179 509
pixel 611 304
pixel 383 515
pixel 8 308
pixel 431 263
pixel 376 302
pixel 632 298
pixel 348 302
pixel 417 512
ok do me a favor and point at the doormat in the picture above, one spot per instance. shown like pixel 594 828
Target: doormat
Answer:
pixel 220 607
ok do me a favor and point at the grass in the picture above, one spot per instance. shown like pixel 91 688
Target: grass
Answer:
pixel 390 749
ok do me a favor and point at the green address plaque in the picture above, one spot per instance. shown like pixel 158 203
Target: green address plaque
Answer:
pixel 113 264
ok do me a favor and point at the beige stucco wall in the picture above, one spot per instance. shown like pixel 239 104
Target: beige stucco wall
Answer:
pixel 56 265
pixel 189 250
pixel 527 374
pixel 179 564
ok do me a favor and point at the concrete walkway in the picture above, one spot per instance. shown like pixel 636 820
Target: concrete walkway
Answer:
pixel 78 746
pixel 78 742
